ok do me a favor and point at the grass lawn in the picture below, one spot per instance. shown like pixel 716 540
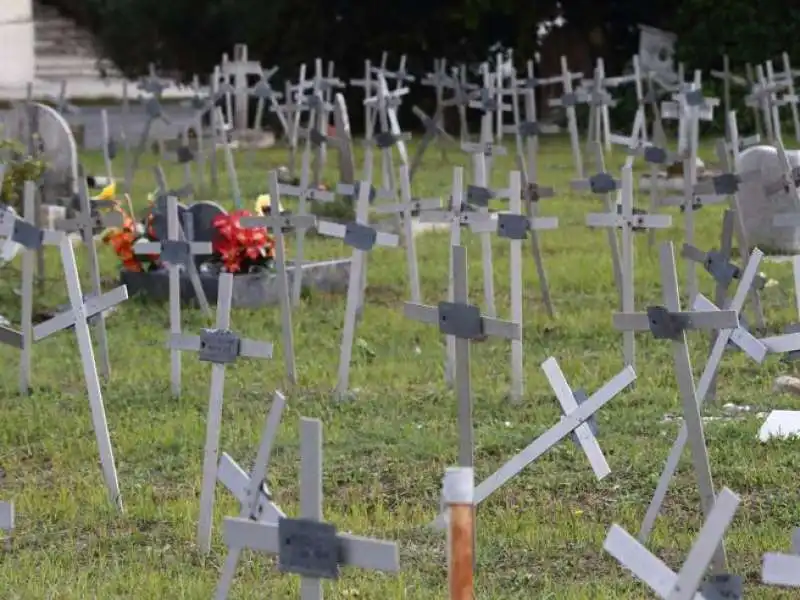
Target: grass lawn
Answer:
pixel 539 537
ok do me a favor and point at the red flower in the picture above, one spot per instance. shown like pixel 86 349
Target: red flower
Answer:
pixel 233 242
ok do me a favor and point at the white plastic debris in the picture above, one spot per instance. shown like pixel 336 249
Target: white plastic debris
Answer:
pixel 781 424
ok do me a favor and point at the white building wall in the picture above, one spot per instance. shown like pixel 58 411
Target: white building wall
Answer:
pixel 17 62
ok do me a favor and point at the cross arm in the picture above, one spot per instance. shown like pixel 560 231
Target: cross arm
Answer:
pixel 309 192
pixel 11 337
pixel 247 348
pixel 339 230
pixel 431 315
pixel 356 551
pixel 781 569
pixel 780 344
pixel 282 222
pixel 663 323
pixel 416 204
pixel 233 477
pixel 636 221
pixel 93 305
pixel 514 226
pixel 745 340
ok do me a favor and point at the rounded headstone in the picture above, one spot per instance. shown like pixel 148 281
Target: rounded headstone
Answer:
pixel 203 214
pixel 158 212
pixel 758 210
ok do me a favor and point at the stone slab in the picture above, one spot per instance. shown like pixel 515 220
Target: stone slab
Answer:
pixel 251 290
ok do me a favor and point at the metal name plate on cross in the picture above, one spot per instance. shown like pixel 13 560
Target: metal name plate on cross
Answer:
pixel 307 546
pixel 362 238
pixel 221 347
pixel 669 323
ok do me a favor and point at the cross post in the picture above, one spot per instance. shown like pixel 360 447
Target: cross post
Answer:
pixel 629 221
pixel 220 346
pixel 515 227
pixel 307 546
pixel 568 101
pixel 77 317
pixel 465 323
pixel 362 238
pixel 280 224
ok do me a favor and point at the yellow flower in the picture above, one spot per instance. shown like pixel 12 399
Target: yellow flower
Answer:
pixel 264 204
pixel 109 192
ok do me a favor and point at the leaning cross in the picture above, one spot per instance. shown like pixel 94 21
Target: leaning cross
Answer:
pixel 362 238
pixel 629 220
pixel 465 323
pixel 219 346
pixel 85 223
pixel 255 500
pixel 756 349
pixel 176 254
pixel 280 224
pixel 568 101
pixel 688 583
pixel 577 418
pixel 77 317
pixel 783 569
pixel 307 546
pixel 407 208
pixel 434 131
pixel 668 322
pixel 515 227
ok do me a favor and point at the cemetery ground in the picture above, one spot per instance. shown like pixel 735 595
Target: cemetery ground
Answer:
pixel 540 536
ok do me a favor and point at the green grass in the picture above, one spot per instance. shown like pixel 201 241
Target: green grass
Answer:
pixel 540 536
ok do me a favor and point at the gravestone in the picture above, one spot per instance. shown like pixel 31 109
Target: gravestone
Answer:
pixel 54 143
pixel 759 208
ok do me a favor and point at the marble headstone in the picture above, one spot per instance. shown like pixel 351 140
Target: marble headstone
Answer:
pixel 758 210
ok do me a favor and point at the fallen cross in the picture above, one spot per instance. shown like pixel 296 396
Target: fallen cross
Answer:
pixel 783 569
pixel 688 583
pixel 576 419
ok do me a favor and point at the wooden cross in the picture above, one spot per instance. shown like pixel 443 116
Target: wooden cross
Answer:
pixel 515 227
pixel 32 239
pixel 783 569
pixel 77 317
pixel 789 179
pixel 735 144
pixel 527 131
pixel 599 100
pixel 791 97
pixel 239 69
pixel 578 413
pixel 668 322
pixel 458 217
pixel 479 195
pixel 307 546
pixel 220 346
pixel 688 583
pixel 362 238
pixel 728 79
pixel 792 220
pixel 756 349
pixel 280 224
pixel 407 208
pixel 434 132
pixel 568 101
pixel 775 102
pixel 176 253
pixel 465 323
pixel 488 103
pixel 629 221
pixel 220 137
pixel 368 84
pixel 255 500
pixel 693 106
pixel 154 112
pixel 457 83
pixel 603 184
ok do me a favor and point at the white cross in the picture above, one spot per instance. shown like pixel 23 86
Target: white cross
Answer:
pixel 574 420
pixel 280 224
pixel 659 577
pixel 255 501
pixel 77 316
pixel 271 538
pixel 409 205
pixel 235 348
pixel 6 516
pixel 362 238
pixel 516 227
pixel 568 101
